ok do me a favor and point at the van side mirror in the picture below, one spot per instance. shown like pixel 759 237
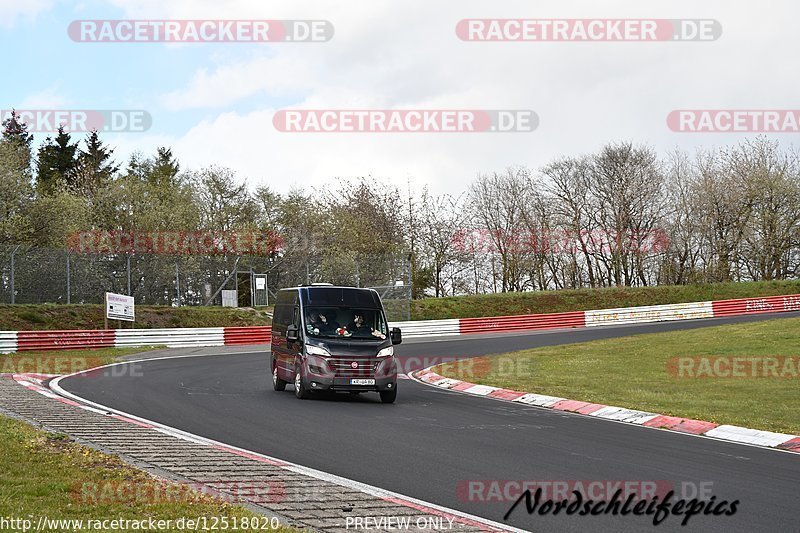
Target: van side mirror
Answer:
pixel 396 335
pixel 291 334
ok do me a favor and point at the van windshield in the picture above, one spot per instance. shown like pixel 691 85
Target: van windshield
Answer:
pixel 345 322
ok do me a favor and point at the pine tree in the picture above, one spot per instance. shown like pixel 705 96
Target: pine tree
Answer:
pixel 15 180
pixel 57 162
pixel 17 140
pixel 95 168
pixel 165 168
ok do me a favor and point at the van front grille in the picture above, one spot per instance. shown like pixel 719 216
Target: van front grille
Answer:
pixel 344 367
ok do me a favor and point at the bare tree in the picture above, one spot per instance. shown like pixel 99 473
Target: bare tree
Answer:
pixel 499 203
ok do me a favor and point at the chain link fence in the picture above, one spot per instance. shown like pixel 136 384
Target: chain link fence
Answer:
pixel 45 275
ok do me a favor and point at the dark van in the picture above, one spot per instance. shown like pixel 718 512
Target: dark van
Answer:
pixel 327 338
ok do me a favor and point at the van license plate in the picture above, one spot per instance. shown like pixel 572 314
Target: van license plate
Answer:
pixel 362 382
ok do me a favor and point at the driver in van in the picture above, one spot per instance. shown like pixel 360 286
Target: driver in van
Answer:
pixel 359 327
pixel 318 323
pixel 326 326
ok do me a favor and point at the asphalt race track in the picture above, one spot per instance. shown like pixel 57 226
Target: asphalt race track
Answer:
pixel 432 442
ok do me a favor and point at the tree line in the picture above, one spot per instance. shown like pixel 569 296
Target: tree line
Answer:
pixel 623 216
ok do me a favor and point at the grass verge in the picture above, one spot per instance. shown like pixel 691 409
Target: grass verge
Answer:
pixel 64 362
pixel 524 303
pixel 27 317
pixel 641 372
pixel 43 474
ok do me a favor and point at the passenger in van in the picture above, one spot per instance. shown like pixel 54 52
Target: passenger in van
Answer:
pixel 360 328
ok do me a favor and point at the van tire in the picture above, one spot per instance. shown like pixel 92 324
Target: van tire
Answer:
pixel 388 396
pixel 300 390
pixel 277 383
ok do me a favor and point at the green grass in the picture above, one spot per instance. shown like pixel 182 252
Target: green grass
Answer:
pixel 523 303
pixel 64 362
pixel 633 372
pixel 24 317
pixel 42 474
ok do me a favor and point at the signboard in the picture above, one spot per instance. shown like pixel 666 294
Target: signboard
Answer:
pixel 119 307
pixel 230 299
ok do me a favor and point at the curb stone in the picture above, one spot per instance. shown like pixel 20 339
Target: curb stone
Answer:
pixel 740 435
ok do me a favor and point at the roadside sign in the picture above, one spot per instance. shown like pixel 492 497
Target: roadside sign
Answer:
pixel 230 299
pixel 119 307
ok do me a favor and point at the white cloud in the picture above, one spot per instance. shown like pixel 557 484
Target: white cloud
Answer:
pixel 387 54
pixel 11 10
pixel 49 98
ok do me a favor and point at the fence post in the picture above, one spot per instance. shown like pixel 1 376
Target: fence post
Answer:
pixel 409 286
pixel 69 288
pixel 13 290
pixel 178 282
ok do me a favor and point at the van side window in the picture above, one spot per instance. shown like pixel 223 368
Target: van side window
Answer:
pixel 296 317
pixel 283 315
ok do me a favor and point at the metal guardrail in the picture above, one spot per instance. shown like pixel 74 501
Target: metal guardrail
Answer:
pixel 21 341
pixel 649 313
pixel 428 328
pixel 749 306
pixel 524 322
pixel 13 341
pixel 170 337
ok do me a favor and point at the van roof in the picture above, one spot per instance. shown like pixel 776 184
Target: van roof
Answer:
pixel 338 295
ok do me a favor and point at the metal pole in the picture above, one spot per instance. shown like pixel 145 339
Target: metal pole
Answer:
pixel 308 275
pixel 13 290
pixel 358 275
pixel 68 280
pixel 178 282
pixel 129 273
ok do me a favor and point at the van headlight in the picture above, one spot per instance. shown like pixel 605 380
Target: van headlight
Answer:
pixel 386 352
pixel 316 350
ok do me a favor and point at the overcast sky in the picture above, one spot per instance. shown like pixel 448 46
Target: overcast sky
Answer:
pixel 214 103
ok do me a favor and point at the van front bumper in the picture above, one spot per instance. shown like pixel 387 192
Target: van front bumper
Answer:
pixel 384 383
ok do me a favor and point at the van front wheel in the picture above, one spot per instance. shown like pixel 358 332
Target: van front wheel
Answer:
pixel 389 396
pixel 299 387
pixel 277 383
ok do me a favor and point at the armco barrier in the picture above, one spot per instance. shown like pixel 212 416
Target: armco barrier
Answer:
pixel 751 306
pixel 20 341
pixel 171 337
pixel 428 328
pixel 64 340
pixel 651 313
pixel 8 341
pixel 525 322
pixel 11 341
pixel 247 335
